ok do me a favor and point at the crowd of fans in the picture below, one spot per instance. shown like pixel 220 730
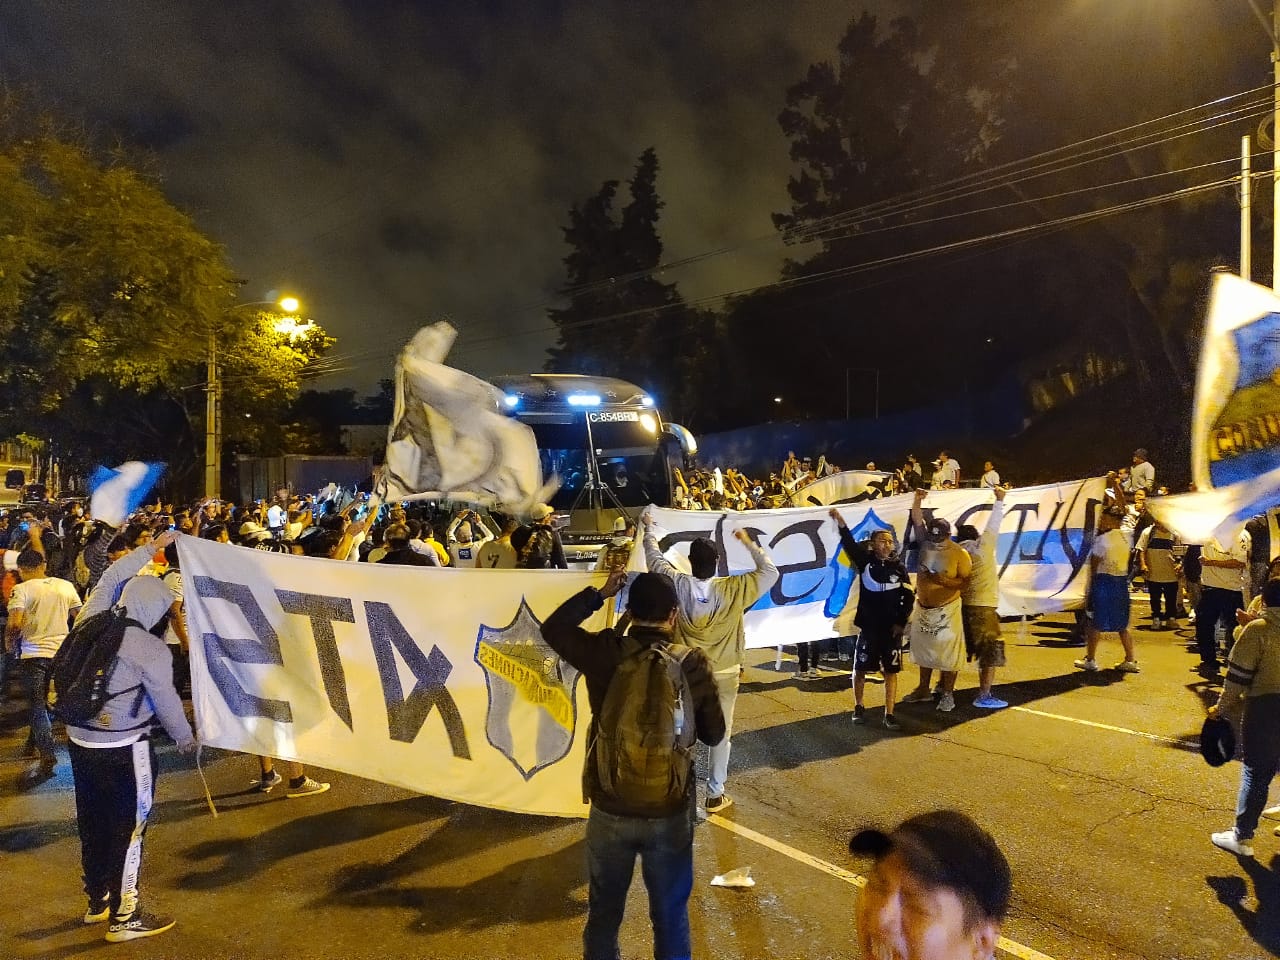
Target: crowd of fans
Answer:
pixel 714 488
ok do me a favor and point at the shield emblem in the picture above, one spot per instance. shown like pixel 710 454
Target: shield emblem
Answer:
pixel 532 693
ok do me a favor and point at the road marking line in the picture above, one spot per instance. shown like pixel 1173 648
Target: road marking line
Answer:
pixel 1010 947
pixel 1106 726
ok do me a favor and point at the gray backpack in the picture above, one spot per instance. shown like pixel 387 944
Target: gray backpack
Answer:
pixel 646 731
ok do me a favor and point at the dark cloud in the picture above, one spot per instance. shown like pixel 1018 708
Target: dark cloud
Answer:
pixel 396 162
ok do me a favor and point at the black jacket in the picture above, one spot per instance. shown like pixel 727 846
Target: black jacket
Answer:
pixel 597 656
pixel 889 606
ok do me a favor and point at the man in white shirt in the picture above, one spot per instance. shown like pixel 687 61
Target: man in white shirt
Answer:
pixel 276 518
pixel 990 479
pixel 41 609
pixel 1222 573
pixel 947 472
pixel 463 540
pixel 1109 590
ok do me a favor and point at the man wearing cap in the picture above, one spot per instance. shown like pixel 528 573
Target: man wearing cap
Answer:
pixel 615 554
pixel 935 631
pixel 939 890
pixel 1251 696
pixel 709 619
pixel 1142 476
pixel 542 515
pixel 947 472
pixel 618 829
pixel 464 539
pixel 256 537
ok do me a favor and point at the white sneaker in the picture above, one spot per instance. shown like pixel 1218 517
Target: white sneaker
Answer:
pixel 1089 666
pixel 1128 666
pixel 946 703
pixel 1226 840
pixel 1272 813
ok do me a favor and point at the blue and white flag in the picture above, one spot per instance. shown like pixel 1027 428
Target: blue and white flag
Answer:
pixel 1235 426
pixel 447 437
pixel 116 494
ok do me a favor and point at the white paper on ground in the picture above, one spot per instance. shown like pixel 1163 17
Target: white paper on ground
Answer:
pixel 737 877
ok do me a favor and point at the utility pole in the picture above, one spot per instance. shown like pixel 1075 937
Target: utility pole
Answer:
pixel 213 423
pixel 1246 202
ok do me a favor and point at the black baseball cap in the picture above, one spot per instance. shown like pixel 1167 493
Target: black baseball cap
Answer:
pixel 946 849
pixel 1217 741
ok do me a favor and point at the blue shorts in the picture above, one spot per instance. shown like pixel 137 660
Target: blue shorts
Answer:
pixel 1110 603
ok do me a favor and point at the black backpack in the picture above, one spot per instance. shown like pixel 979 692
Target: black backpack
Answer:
pixel 646 730
pixel 83 665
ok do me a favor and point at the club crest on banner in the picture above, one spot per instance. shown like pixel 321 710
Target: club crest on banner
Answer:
pixel 532 702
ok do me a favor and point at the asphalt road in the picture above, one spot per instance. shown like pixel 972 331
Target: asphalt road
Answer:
pixel 1091 784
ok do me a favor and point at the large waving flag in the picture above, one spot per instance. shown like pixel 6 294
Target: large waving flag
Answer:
pixel 1235 427
pixel 116 494
pixel 447 437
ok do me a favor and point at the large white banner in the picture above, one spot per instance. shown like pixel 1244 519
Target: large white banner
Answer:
pixel 433 679
pixel 847 486
pixel 1043 552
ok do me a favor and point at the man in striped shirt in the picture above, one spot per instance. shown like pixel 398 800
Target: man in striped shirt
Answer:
pixel 1251 696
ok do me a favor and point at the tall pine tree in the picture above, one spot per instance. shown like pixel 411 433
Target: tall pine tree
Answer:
pixel 620 319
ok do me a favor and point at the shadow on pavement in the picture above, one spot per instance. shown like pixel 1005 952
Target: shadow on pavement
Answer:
pixel 233 860
pixel 1262 922
pixel 537 889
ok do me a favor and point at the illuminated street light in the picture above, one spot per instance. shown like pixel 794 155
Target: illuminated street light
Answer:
pixel 777 399
pixel 287 326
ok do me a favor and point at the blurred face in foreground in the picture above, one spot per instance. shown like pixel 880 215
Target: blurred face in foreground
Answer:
pixel 882 545
pixel 899 918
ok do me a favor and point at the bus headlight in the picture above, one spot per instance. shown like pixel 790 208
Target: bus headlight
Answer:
pixel 647 421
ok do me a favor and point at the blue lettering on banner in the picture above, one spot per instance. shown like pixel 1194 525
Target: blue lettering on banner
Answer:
pixel 263 648
pixel 406 715
pixel 324 612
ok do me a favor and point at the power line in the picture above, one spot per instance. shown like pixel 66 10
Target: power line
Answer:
pixel 852 269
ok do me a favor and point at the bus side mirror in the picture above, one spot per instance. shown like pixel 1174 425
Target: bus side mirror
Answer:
pixel 688 445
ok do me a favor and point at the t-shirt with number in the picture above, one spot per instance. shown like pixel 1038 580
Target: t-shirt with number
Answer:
pixel 496 555
pixel 46 604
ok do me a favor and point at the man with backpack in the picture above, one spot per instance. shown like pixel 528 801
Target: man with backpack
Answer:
pixel 711 609
pixel 650 699
pixel 109 706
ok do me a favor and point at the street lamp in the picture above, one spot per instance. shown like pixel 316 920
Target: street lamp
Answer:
pixel 213 390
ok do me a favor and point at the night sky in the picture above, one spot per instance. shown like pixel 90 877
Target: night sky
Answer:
pixel 396 163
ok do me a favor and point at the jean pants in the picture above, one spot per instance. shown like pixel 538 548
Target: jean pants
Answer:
pixel 665 848
pixel 36 670
pixel 727 691
pixel 1260 732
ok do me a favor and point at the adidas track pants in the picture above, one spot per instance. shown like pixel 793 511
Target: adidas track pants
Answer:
pixel 114 791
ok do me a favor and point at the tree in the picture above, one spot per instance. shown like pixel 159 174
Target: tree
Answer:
pixel 621 320
pixel 110 295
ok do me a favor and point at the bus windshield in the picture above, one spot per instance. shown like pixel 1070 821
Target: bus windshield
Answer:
pixel 628 460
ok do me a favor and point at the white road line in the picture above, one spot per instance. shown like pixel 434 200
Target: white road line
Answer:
pixel 1007 946
pixel 1107 726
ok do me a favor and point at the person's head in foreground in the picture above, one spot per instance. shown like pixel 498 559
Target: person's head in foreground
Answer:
pixel 939 890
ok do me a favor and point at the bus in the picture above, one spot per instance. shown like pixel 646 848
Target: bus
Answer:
pixel 607 442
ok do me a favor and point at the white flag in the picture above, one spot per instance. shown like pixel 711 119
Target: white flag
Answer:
pixel 1235 427
pixel 447 437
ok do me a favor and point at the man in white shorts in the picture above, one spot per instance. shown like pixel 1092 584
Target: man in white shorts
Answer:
pixel 935 631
